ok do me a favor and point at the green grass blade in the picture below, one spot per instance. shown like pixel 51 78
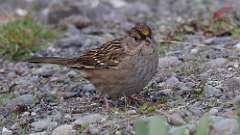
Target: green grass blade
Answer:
pixel 141 128
pixel 202 126
pixel 179 131
pixel 157 126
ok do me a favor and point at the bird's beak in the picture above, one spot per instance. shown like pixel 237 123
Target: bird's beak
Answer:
pixel 151 39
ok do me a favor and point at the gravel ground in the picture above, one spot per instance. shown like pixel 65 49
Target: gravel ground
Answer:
pixel 199 75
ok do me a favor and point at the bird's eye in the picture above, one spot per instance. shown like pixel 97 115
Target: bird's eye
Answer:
pixel 145 32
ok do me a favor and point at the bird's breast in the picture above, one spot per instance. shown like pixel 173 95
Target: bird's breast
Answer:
pixel 131 75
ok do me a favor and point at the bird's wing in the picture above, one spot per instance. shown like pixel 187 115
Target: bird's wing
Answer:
pixel 108 55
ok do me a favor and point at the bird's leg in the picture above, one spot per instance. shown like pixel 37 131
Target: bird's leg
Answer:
pixel 106 104
pixel 135 98
pixel 125 103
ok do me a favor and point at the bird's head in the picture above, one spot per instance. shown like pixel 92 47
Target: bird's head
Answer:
pixel 141 31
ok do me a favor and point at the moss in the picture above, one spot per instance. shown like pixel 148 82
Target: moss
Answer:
pixel 20 37
pixel 146 108
pixel 81 128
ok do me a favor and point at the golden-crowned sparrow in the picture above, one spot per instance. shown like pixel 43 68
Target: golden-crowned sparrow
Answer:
pixel 119 67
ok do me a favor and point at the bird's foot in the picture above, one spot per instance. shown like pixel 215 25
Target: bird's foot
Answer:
pixel 106 106
pixel 133 99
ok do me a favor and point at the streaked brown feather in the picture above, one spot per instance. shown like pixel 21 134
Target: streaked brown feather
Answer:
pixel 104 57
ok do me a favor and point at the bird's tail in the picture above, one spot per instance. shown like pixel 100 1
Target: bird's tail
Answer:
pixel 51 60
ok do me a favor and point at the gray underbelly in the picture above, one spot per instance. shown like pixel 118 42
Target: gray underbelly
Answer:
pixel 138 78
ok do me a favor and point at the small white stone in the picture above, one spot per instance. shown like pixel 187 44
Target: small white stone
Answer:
pixel 117 133
pixel 237 45
pixel 67 116
pixel 213 111
pixel 230 69
pixel 33 114
pixel 94 3
pixel 21 12
pixel 118 3
pixel 236 65
pixel 43 124
pixel 194 51
pixel 30 1
pixel 90 118
pixel 115 61
pixel 6 131
pixel 64 130
pixel 179 19
pixel 39 133
pixel 2 70
pixel 131 112
pixel 26 114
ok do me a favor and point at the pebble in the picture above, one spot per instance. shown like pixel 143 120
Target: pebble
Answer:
pixel 76 21
pixel 46 70
pixel 131 112
pixel 26 99
pixel 196 111
pixel 210 91
pixel 184 88
pixel 72 74
pixel 88 88
pixel 232 85
pixel 172 81
pixel 176 119
pixel 118 3
pixel 175 131
pixel 11 74
pixel 168 61
pixel 213 111
pixel 21 12
pixel 237 99
pixel 220 41
pixel 6 131
pixel 194 51
pixel 33 113
pixel 43 124
pixel 58 10
pixel 26 114
pixel 39 133
pixel 237 45
pixel 68 116
pixel 225 127
pixel 90 118
pixel 71 41
pixel 64 130
pixel 215 63
pixel 94 130
pixel 56 116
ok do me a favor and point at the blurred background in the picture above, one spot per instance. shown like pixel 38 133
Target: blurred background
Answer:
pixel 199 67
pixel 115 10
pixel 103 15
